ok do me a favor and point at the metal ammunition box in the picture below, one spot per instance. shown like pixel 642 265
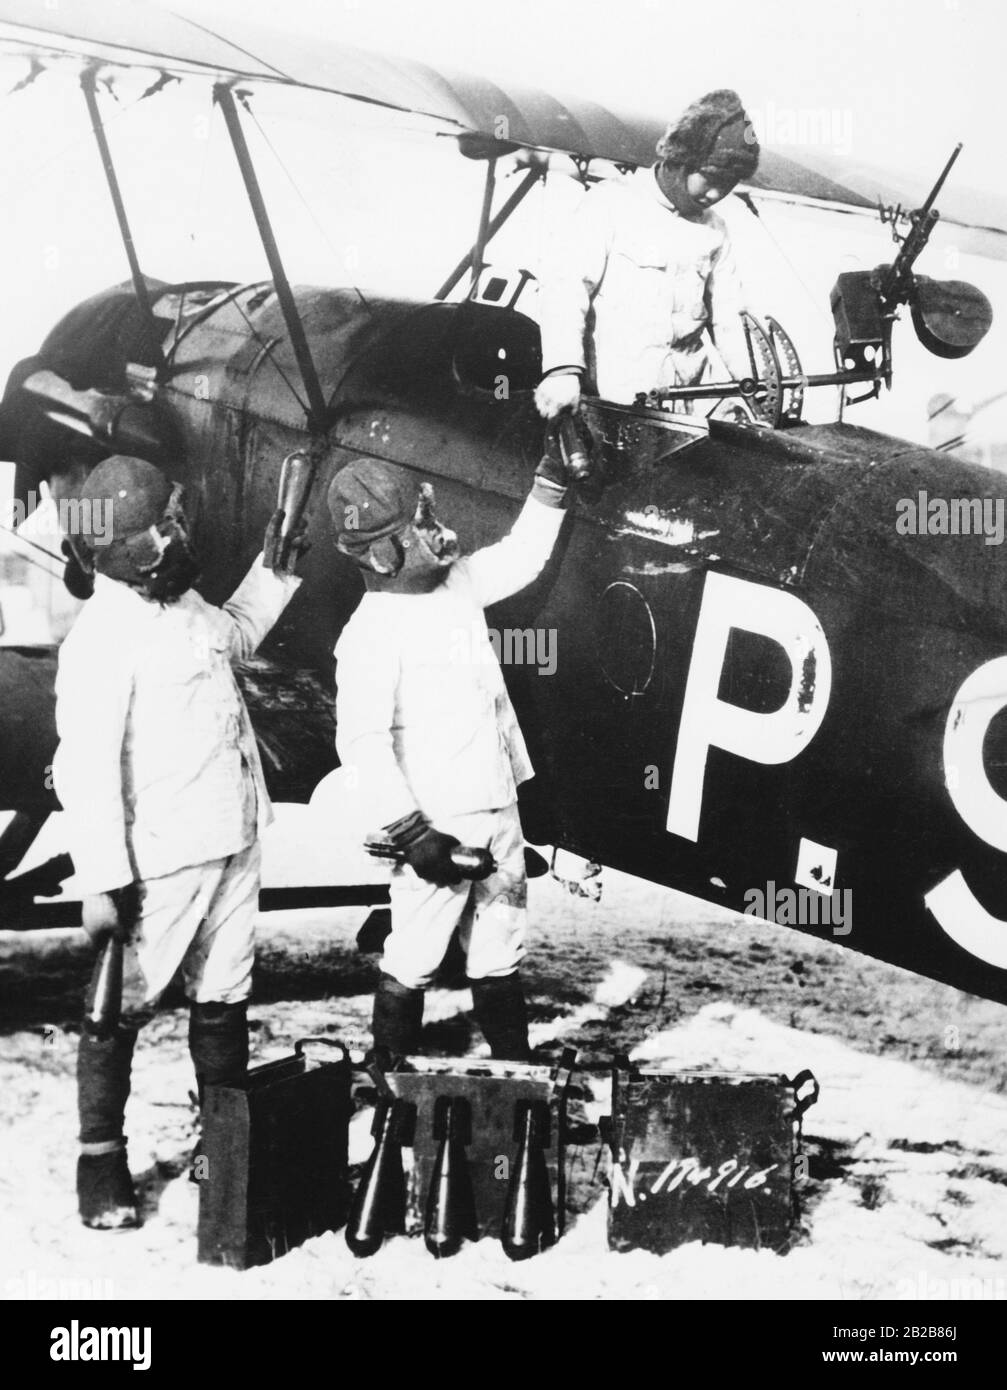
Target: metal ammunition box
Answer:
pixel 856 309
pixel 706 1156
pixel 274 1158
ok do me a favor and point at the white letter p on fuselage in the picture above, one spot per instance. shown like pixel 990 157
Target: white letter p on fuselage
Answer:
pixel 709 722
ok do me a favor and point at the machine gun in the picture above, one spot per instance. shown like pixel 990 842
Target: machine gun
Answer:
pixel 896 282
pixel 950 317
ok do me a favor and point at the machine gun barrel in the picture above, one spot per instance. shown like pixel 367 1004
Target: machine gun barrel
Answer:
pixel 897 282
pixel 925 209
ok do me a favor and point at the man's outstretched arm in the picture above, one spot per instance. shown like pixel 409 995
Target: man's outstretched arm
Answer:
pixel 499 570
pixel 255 606
pixel 265 591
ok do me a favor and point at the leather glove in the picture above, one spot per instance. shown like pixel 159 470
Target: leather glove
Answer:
pixel 111 914
pixel 567 461
pixel 429 856
pixel 79 583
pixel 282 554
pixel 558 392
pixel 551 481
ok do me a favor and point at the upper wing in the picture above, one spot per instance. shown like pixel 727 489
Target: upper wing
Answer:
pixel 119 32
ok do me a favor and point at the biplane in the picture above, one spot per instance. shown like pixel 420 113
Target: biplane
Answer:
pixel 761 679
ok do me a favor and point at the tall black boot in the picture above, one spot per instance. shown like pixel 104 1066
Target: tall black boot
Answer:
pixel 218 1044
pixel 398 1018
pixel 106 1197
pixel 103 1077
pixel 501 1014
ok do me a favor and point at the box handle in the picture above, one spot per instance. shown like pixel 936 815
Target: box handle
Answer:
pixel 301 1043
pixel 806 1101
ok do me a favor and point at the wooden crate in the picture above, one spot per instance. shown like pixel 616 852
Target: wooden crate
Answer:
pixel 705 1156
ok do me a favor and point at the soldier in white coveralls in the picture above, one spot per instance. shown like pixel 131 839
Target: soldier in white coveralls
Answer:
pixel 159 776
pixel 425 725
pixel 644 265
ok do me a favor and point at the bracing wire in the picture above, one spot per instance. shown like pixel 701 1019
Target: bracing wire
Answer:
pixel 196 217
pixel 29 180
pixel 24 540
pixel 749 202
pixel 268 350
pixel 296 187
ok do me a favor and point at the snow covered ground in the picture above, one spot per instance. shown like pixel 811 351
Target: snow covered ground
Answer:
pixel 906 1196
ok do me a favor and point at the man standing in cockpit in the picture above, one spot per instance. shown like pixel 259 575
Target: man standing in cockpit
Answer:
pixel 645 265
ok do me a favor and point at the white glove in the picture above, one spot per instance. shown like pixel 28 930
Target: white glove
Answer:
pixel 557 393
pixel 110 914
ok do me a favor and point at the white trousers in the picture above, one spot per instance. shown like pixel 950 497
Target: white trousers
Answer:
pixel 200 919
pixel 490 916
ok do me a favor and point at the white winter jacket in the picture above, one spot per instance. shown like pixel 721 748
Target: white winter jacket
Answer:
pixel 157 766
pixel 651 280
pixel 423 718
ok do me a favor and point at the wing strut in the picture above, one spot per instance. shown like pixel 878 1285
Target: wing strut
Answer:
pixel 491 228
pixel 479 249
pixel 317 409
pixel 87 82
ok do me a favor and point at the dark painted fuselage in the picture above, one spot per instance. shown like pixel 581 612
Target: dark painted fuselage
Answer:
pixel 740 570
